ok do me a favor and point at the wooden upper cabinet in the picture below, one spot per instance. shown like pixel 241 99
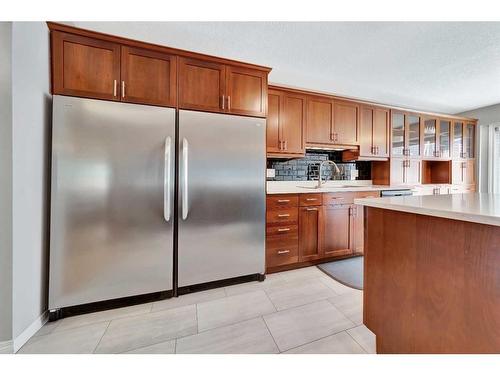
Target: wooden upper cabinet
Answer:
pixel 345 123
pixel 201 85
pixel 85 67
pixel 319 125
pixel 246 91
pixel 215 87
pixel 285 124
pixel 374 132
pixel 148 77
pixel 273 132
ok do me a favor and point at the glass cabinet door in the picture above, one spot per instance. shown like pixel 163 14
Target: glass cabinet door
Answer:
pixel 414 135
pixel 469 141
pixel 398 134
pixel 458 137
pixel 430 137
pixel 444 138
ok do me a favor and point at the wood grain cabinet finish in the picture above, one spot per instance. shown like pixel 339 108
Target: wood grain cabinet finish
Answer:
pixel 215 87
pixel 148 77
pixel 85 67
pixel 337 224
pixel 374 128
pixel 285 124
pixel 246 91
pixel 201 85
pixel 319 124
pixel 345 123
pixel 358 221
pixel 310 221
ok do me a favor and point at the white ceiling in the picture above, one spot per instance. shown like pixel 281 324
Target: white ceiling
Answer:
pixel 443 66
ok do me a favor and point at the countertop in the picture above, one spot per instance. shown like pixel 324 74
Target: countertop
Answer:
pixel 295 187
pixel 473 207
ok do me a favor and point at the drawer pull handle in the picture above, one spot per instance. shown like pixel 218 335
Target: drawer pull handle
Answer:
pixel 337 198
pixel 283 200
pixel 311 209
pixel 311 199
pixel 280 252
pixel 283 229
pixel 283 215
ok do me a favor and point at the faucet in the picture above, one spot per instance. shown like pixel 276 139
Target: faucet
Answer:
pixel 324 162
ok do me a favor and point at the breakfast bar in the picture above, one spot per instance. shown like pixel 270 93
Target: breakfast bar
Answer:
pixel 432 273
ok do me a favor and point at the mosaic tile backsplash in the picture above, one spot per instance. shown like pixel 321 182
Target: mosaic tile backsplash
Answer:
pixel 307 168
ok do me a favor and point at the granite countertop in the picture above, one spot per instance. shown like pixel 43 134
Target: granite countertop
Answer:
pixel 473 207
pixel 294 187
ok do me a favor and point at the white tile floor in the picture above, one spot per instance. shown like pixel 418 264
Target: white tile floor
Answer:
pixel 299 311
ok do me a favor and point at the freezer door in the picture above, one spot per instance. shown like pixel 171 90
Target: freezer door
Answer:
pixel 221 215
pixel 112 200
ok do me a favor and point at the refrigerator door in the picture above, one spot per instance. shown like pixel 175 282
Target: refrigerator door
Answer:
pixel 112 200
pixel 221 212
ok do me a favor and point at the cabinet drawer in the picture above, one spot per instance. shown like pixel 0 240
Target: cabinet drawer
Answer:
pixel 282 230
pixel 315 199
pixel 367 194
pixel 338 198
pixel 281 251
pixel 278 201
pixel 282 216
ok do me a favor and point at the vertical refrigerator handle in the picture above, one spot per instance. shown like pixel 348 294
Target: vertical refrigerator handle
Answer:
pixel 167 179
pixel 185 201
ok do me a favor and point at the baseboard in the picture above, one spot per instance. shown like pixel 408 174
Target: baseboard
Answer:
pixel 28 333
pixel 6 347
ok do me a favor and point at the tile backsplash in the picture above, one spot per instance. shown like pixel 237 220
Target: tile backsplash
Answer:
pixel 307 168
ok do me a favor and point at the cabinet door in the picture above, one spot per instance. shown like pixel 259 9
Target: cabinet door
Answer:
pixel 458 139
pixel 413 126
pixel 292 123
pixel 345 123
pixel 457 172
pixel 246 91
pixel 273 136
pixel 412 172
pixel 430 140
pixel 366 131
pixel 336 232
pixel 201 85
pixel 85 67
pixel 319 125
pixel 397 171
pixel 357 230
pixel 469 172
pixel 469 131
pixel 398 143
pixel 310 220
pixel 381 132
pixel 444 138
pixel 148 77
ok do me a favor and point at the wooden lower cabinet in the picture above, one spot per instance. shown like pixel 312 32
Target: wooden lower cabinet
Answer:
pixel 309 227
pixel 337 223
pixel 310 220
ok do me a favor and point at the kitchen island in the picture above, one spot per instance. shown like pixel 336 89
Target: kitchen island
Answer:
pixel 432 273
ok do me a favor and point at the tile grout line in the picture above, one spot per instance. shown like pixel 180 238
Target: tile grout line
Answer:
pixel 356 340
pixel 99 342
pixel 269 330
pixel 324 337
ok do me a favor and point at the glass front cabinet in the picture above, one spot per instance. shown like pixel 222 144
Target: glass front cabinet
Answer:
pixel 405 135
pixel 463 140
pixel 436 138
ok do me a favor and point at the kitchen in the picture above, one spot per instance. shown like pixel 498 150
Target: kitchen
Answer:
pixel 197 206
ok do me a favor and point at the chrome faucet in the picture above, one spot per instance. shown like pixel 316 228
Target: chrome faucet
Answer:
pixel 324 162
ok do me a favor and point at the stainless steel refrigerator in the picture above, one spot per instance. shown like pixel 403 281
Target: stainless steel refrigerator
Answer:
pixel 114 177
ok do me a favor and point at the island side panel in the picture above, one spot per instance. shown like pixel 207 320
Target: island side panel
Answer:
pixel 432 285
pixel 390 279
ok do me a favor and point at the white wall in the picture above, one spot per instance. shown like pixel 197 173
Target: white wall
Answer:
pixel 31 124
pixel 5 182
pixel 486 116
